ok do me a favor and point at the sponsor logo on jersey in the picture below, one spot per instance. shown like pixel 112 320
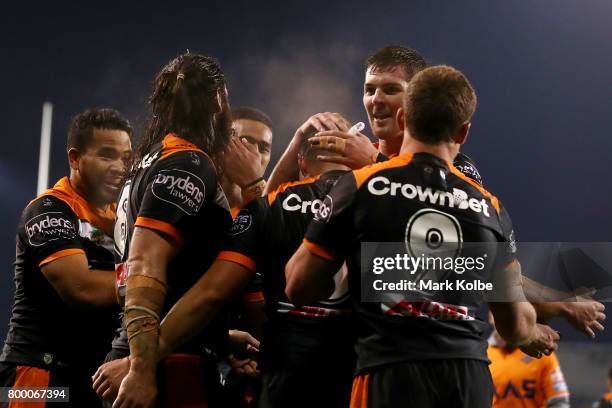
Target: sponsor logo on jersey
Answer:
pixel 381 186
pixel 148 160
pixel 294 202
pixel 194 158
pixel 241 223
pixel 180 188
pixel 48 227
pixel 325 210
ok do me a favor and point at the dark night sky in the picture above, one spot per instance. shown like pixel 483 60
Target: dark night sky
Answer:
pixel 542 72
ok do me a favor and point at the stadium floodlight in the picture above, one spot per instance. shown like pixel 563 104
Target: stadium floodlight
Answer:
pixel 45 148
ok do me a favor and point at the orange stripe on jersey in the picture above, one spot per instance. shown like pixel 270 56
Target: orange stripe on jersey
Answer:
pixel 359 393
pixel 103 218
pixel 61 254
pixel 458 173
pixel 234 212
pixel 159 226
pixel 238 258
pixel 253 296
pixel 272 195
pixel 607 397
pixel 365 173
pixel 174 144
pixel 30 377
pixel 319 250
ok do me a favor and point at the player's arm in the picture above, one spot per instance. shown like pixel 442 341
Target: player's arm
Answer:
pixel 287 167
pixel 582 312
pixel 150 253
pixel 309 277
pixel 515 318
pixel 79 286
pixel 199 305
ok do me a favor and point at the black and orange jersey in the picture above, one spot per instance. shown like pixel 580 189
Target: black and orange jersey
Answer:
pixel 412 198
pixel 43 329
pixel 174 190
pixel 521 381
pixel 264 236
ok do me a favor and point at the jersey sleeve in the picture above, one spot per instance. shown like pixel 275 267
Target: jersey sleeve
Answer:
pixel 554 387
pixel 331 231
pixel 243 244
pixel 508 249
pixel 50 230
pixel 176 191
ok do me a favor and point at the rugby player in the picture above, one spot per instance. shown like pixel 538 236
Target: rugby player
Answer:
pixel 399 354
pixel 65 302
pixel 247 157
pixel 523 381
pixel 307 358
pixel 171 214
pixel 388 72
pixel 245 163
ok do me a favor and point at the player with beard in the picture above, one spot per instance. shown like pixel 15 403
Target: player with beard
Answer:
pixel 171 214
pixel 307 357
pixel 65 302
pixel 405 347
pixel 388 72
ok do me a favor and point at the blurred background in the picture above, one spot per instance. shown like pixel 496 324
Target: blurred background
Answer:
pixel 542 133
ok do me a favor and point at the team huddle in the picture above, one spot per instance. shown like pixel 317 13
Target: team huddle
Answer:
pixel 175 275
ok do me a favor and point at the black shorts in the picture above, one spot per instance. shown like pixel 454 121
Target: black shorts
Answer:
pixel 319 386
pixel 77 381
pixel 425 384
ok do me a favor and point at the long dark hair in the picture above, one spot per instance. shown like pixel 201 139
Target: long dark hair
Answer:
pixel 184 101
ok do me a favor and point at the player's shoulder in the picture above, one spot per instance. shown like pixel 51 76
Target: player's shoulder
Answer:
pixel 365 173
pixel 47 218
pixel 288 187
pixel 178 151
pixel 49 201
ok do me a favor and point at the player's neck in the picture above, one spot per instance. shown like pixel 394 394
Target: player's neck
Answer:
pixel 390 147
pixel 80 187
pixel 444 151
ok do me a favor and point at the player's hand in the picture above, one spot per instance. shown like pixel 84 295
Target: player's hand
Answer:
pixel 585 314
pixel 108 377
pixel 244 367
pixel 322 122
pixel 242 163
pixel 543 342
pixel 137 390
pixel 356 150
pixel 243 344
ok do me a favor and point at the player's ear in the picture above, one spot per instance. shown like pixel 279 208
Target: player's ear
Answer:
pixel 73 158
pixel 462 134
pixel 399 117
